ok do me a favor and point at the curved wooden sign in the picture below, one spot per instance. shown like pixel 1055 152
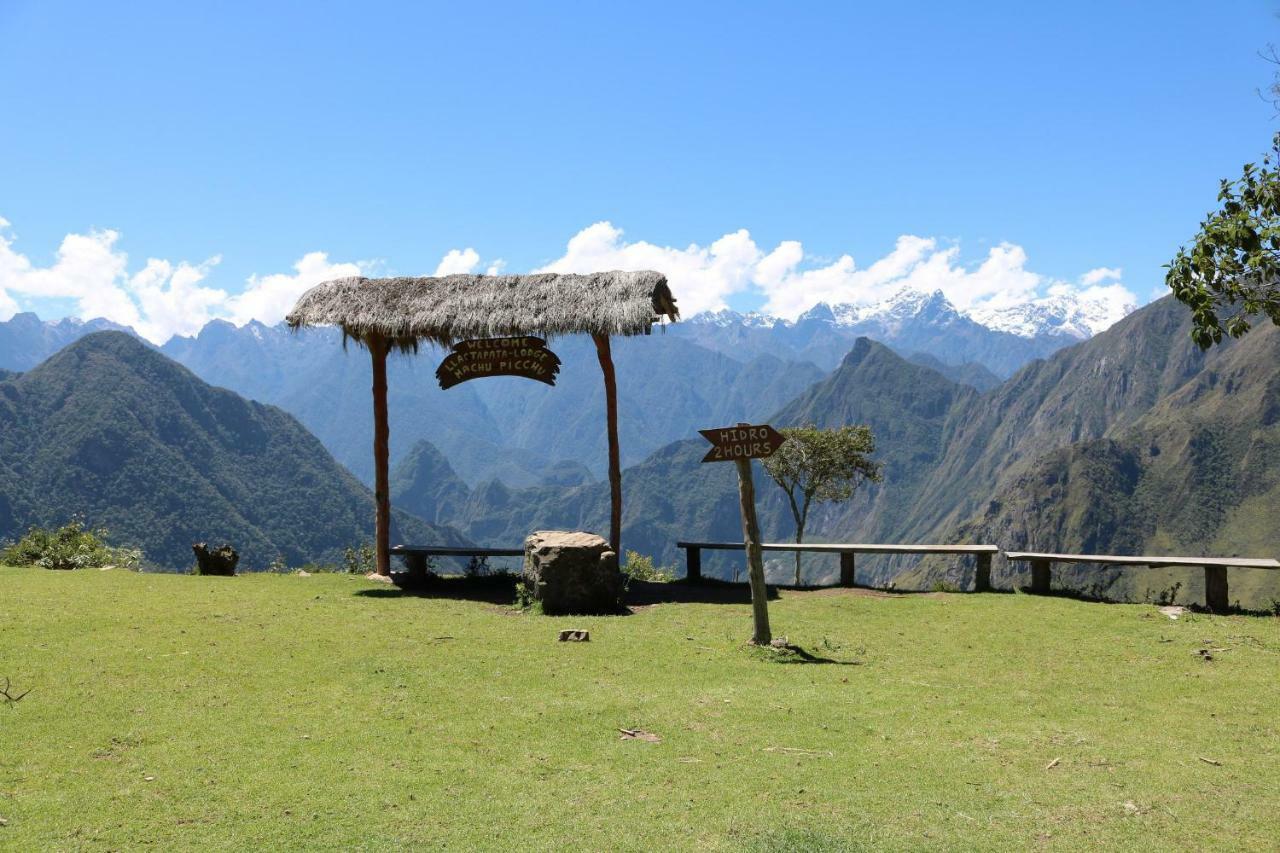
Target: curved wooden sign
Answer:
pixel 522 356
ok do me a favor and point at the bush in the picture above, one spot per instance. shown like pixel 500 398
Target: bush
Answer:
pixel 641 568
pixel 361 560
pixel 72 546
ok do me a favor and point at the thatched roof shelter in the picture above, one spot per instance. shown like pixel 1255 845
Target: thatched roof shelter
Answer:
pixel 447 309
pixel 397 313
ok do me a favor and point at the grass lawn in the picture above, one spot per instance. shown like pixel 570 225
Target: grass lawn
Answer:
pixel 330 712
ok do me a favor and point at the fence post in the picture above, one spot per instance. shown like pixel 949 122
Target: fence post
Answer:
pixel 847 565
pixel 1216 596
pixel 982 574
pixel 1040 577
pixel 692 563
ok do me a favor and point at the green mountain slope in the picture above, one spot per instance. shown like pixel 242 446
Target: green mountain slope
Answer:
pixel 111 430
pixel 1197 474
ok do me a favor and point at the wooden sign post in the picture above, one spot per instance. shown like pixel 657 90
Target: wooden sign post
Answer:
pixel 741 444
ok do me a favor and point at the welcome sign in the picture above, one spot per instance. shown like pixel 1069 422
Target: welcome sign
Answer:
pixel 519 356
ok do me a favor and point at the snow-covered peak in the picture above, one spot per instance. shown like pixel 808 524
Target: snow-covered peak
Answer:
pixel 1065 314
pixel 725 318
pixel 906 304
pixel 1071 314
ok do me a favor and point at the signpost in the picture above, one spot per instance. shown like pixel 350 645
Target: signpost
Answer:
pixel 522 356
pixel 740 444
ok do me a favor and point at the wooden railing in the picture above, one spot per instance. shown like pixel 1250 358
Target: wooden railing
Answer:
pixel 847 551
pixel 1216 593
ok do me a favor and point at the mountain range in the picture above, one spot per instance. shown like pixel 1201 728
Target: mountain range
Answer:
pixel 912 322
pixel 1133 441
pixel 1128 441
pixel 110 430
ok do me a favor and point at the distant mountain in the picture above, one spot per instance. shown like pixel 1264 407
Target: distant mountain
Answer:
pixel 970 373
pixel 26 340
pixel 1064 315
pixel 1196 473
pixel 1133 441
pixel 112 431
pixel 425 485
pixel 910 322
pixel 522 432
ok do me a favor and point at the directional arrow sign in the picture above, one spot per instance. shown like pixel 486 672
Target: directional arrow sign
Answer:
pixel 743 441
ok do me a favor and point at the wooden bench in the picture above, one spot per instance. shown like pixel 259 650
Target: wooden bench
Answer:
pixel 424 551
pixel 1215 569
pixel 983 553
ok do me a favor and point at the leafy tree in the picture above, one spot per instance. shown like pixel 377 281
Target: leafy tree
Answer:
pixel 1233 267
pixel 821 465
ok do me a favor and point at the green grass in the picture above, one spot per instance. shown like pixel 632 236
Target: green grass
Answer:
pixel 290 712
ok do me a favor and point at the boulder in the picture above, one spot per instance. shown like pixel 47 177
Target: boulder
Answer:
pixel 219 561
pixel 572 572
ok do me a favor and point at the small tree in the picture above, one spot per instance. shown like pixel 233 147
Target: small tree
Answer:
pixel 1234 264
pixel 823 466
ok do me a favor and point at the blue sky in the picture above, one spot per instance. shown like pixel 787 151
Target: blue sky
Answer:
pixel 231 142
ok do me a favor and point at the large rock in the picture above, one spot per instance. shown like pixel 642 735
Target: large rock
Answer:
pixel 572 572
pixel 216 561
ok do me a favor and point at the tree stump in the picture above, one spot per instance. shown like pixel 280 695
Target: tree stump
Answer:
pixel 572 573
pixel 221 561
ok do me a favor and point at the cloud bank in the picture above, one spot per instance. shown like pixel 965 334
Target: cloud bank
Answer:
pixel 162 298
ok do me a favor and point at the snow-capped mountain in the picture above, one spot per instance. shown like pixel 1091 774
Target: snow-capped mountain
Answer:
pixel 913 321
pixel 1061 314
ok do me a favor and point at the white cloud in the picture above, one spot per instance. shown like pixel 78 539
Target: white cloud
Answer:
pixel 458 262
pixel 165 298
pixel 701 278
pixel 268 298
pixel 1101 274
pixel 170 300
pixel 916 263
pixel 160 300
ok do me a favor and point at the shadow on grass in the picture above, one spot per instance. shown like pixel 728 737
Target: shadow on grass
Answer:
pixel 790 653
pixel 706 591
pixel 501 589
pixel 490 589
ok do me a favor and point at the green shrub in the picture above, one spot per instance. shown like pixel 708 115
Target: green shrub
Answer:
pixel 71 546
pixel 641 568
pixel 360 560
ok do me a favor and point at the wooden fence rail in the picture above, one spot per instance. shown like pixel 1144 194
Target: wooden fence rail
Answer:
pixel 847 551
pixel 1216 594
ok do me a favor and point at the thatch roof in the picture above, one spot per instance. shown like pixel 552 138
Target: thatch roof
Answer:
pixel 451 308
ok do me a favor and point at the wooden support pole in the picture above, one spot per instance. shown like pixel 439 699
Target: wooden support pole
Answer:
pixel 755 555
pixel 1040 577
pixel 1216 596
pixel 847 567
pixel 982 573
pixel 615 457
pixel 381 435
pixel 693 564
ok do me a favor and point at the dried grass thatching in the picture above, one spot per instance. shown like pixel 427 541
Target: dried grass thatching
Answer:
pixel 451 308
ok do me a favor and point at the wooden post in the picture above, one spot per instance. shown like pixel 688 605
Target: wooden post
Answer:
pixel 847 568
pixel 1216 596
pixel 982 573
pixel 381 434
pixel 1040 577
pixel 693 564
pixel 755 556
pixel 615 460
